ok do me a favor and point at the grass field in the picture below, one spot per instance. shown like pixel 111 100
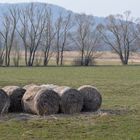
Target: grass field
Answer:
pixel 120 88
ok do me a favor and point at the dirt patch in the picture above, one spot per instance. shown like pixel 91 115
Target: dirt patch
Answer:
pixel 26 117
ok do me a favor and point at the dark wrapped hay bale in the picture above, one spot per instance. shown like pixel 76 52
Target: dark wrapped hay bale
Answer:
pixel 40 100
pixel 71 100
pixel 47 102
pixel 4 102
pixel 15 93
pixel 92 98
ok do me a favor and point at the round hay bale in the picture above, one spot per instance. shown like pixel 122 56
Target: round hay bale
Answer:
pixel 28 99
pixel 28 86
pixel 49 86
pixel 71 100
pixel 4 102
pixel 92 98
pixel 15 93
pixel 40 100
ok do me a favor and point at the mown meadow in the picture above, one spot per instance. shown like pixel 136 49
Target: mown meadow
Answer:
pixel 119 118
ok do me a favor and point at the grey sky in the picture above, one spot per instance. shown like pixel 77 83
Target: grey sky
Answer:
pixel 94 7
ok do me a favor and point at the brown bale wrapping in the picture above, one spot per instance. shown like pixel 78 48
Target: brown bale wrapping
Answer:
pixel 40 100
pixel 49 86
pixel 92 98
pixel 71 100
pixel 4 102
pixel 15 93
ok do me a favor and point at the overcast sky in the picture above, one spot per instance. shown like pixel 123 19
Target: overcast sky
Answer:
pixel 94 7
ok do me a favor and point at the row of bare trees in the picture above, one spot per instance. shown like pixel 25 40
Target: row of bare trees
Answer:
pixel 36 34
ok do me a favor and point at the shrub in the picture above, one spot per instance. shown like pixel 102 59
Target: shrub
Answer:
pixel 87 61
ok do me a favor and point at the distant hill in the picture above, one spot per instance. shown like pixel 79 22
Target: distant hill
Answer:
pixel 55 9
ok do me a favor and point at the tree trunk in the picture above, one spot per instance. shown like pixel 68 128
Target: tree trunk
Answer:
pixel 57 58
pixel 30 58
pixel 82 57
pixel 61 56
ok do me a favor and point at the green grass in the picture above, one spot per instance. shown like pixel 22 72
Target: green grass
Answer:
pixel 120 88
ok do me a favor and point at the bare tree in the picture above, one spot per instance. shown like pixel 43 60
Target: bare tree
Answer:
pixel 48 36
pixel 32 21
pixel 92 46
pixel 58 29
pixel 137 34
pixel 67 25
pixel 86 37
pixel 119 35
pixel 10 21
pixel 63 26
